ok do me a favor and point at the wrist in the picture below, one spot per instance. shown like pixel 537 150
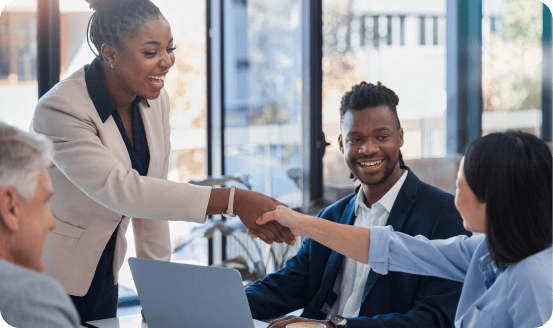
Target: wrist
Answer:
pixel 311 226
pixel 304 224
pixel 239 200
pixel 230 206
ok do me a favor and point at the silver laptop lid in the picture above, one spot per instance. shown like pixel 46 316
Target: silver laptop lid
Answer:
pixel 184 295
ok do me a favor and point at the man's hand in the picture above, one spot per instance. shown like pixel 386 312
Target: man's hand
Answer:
pixel 250 205
pixel 283 322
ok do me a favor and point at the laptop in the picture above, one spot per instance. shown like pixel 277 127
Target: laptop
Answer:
pixel 192 296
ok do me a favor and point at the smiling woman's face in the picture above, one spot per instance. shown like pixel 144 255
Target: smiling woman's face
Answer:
pixel 144 60
pixel 472 210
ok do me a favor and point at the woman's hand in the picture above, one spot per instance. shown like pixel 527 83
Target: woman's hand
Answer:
pixel 286 217
pixel 250 205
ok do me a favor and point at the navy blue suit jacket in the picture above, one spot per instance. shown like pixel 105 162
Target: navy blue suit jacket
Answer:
pixel 393 300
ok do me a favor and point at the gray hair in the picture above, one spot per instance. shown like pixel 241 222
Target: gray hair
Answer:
pixel 22 157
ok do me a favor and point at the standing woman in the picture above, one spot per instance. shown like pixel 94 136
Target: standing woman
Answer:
pixel 504 193
pixel 109 122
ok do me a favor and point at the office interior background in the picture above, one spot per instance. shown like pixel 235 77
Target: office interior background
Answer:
pixel 256 88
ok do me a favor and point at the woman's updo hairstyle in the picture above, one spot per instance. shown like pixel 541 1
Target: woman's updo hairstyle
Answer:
pixel 115 20
pixel 511 173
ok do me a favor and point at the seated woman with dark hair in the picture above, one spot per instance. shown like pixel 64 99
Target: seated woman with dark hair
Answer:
pixel 504 193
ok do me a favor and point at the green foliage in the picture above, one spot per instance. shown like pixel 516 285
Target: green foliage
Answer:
pixel 512 65
pixel 523 23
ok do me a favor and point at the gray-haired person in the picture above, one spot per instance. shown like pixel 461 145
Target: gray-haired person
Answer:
pixel 28 298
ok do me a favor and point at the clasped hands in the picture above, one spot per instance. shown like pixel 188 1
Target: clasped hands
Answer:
pixel 252 207
pixel 284 218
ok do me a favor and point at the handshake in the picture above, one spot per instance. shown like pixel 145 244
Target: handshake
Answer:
pixel 266 218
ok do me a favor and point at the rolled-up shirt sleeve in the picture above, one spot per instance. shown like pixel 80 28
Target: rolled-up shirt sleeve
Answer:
pixel 444 258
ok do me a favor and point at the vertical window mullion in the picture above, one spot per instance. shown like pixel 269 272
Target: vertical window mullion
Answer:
pixel 48 45
pixel 389 34
pixel 435 30
pixel 422 30
pixel 547 75
pixel 402 29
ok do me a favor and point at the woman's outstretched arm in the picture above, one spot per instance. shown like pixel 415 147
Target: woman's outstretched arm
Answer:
pixel 391 251
pixel 350 241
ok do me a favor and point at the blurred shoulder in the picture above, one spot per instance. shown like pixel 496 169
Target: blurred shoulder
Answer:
pixel 29 298
pixel 24 288
pixel 19 282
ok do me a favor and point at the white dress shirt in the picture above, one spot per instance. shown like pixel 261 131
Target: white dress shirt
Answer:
pixel 351 280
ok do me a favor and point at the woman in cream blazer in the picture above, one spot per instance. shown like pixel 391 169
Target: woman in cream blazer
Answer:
pixel 96 189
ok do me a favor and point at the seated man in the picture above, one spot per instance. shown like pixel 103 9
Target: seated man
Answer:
pixel 340 292
pixel 28 298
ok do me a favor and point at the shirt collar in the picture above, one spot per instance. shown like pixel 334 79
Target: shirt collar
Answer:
pixel 489 270
pixel 98 92
pixel 387 201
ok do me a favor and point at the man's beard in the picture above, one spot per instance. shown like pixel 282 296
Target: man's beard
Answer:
pixel 386 175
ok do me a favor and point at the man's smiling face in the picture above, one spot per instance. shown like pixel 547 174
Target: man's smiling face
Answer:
pixel 370 140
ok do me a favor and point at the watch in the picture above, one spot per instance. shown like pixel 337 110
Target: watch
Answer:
pixel 338 321
pixel 230 208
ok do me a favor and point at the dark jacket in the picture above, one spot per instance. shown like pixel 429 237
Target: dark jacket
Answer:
pixel 394 300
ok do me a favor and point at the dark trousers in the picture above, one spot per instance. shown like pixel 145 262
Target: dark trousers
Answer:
pixel 100 302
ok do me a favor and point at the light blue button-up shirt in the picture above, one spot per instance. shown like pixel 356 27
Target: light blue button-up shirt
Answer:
pixel 521 295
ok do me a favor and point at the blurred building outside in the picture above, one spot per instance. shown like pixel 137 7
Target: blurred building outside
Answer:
pixel 402 44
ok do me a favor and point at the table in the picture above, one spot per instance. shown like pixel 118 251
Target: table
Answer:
pixel 135 321
pixel 130 321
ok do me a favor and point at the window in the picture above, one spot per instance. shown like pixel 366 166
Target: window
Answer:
pixel 18 54
pixel 511 65
pixel 435 29
pixel 415 71
pixel 422 30
pixel 5 48
pixel 389 34
pixel 263 96
pixel 18 46
pixel 402 29
pixel 18 74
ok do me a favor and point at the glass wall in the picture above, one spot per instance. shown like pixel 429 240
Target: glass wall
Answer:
pixel 18 73
pixel 511 65
pixel 400 43
pixel 262 92
pixel 186 86
pixel 18 54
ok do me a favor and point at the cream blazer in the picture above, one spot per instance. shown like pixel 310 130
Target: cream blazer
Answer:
pixel 95 187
